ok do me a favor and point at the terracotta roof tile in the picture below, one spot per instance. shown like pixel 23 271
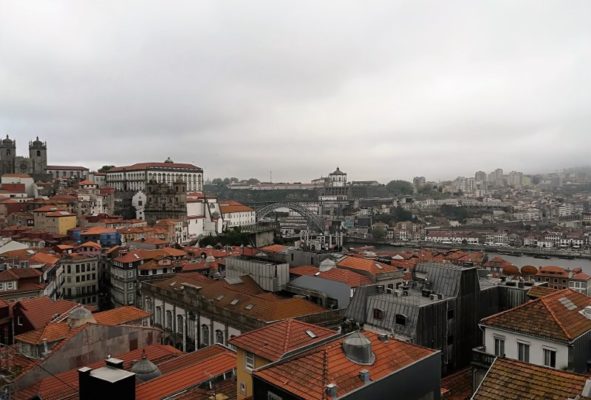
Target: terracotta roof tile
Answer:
pixel 367 265
pixel 52 332
pixel 457 386
pixel 274 248
pixel 190 376
pixel 514 380
pixel 40 310
pixel 155 165
pixel 273 342
pixel 555 316
pixel 65 384
pixel 307 375
pixel 120 315
pixel 540 291
pixel 236 298
pixel 345 276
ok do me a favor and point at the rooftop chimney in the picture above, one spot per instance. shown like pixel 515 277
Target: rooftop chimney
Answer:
pixel 331 391
pixel 364 376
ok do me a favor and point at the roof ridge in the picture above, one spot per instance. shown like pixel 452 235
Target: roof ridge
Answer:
pixel 287 336
pixel 529 303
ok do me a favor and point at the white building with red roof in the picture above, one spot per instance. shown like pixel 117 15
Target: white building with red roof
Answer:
pixel 134 177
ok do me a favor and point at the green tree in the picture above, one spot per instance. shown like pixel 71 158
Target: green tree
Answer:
pixel 378 232
pixel 105 168
pixel 400 188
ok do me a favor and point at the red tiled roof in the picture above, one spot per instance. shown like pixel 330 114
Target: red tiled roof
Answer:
pixel 187 377
pixel 363 264
pixel 581 276
pixel 94 245
pixel 457 386
pixel 229 206
pixel 97 230
pixel 15 274
pixel 345 276
pixel 235 298
pixel 155 165
pixel 273 342
pixel 548 316
pixel 52 332
pixel 514 380
pixel 120 315
pixel 540 291
pixel 274 248
pixel 65 384
pixel 194 357
pixel 307 375
pixel 40 310
pixel 553 271
pixel 44 258
pixel 67 167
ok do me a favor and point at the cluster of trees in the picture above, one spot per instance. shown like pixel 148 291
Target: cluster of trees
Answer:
pixel 227 181
pixel 397 214
pixel 233 237
pixel 400 188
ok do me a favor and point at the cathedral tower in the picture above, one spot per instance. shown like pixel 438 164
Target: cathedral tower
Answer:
pixel 7 156
pixel 38 156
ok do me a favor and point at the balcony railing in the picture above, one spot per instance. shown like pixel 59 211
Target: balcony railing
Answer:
pixel 482 359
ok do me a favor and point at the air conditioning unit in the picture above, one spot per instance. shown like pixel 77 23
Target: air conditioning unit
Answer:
pixel 397 293
pixel 433 296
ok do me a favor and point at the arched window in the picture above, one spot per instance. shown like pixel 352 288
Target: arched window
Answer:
pixel 205 334
pixel 158 315
pixel 179 323
pixel 169 319
pixel 219 336
pixel 401 319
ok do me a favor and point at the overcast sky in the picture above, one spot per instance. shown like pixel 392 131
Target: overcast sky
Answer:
pixel 383 89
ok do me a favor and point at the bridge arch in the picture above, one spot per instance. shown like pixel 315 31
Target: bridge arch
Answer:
pixel 313 220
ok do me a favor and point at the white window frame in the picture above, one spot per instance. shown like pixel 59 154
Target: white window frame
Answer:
pixel 249 361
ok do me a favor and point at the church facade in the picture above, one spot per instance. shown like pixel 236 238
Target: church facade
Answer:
pixel 34 165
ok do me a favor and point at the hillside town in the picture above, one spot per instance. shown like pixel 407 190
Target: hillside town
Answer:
pixel 148 281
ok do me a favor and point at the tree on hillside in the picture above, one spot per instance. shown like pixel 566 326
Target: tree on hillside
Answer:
pixel 398 188
pixel 105 168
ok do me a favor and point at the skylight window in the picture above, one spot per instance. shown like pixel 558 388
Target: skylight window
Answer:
pixel 379 266
pixel 234 302
pixel 311 334
pixel 317 274
pixel 249 307
pixel 221 296
pixel 567 303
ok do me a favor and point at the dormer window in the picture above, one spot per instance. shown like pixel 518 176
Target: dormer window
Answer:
pixel 378 314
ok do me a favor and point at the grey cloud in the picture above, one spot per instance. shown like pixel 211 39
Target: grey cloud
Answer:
pixel 384 89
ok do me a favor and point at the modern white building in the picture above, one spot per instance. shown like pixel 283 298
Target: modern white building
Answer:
pixel 134 177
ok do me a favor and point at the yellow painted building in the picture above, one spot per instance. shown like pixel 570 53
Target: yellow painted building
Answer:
pixel 260 347
pixel 60 222
pixel 245 363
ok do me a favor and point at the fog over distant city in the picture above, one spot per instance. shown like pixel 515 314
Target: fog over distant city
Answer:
pixel 383 89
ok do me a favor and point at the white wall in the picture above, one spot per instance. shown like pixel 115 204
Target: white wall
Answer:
pixel 536 347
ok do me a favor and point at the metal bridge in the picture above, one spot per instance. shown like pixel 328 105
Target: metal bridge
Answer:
pixel 314 221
